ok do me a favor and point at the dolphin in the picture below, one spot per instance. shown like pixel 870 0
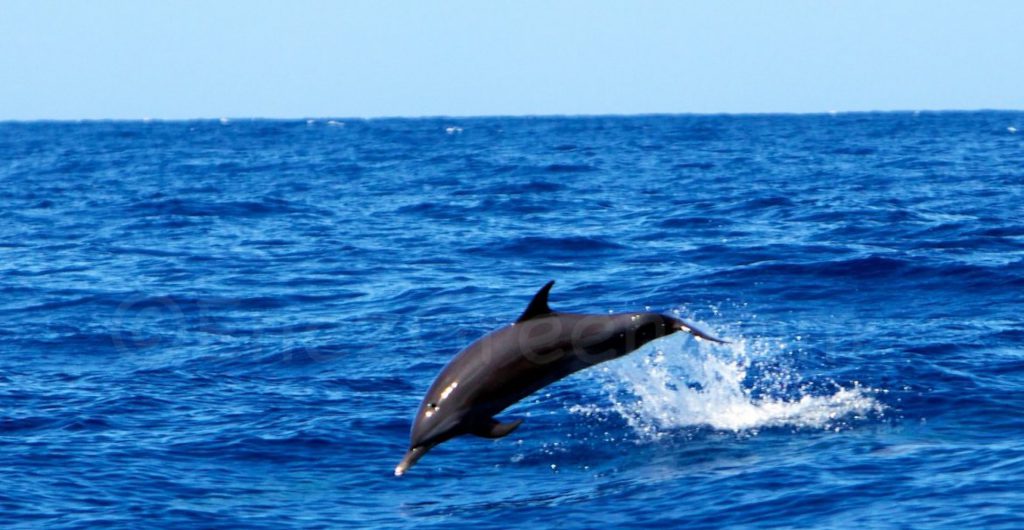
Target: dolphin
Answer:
pixel 512 362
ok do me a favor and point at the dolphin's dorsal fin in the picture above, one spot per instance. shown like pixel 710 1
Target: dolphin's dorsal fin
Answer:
pixel 539 305
pixel 495 429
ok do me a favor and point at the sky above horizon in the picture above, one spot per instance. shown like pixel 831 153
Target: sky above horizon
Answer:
pixel 179 59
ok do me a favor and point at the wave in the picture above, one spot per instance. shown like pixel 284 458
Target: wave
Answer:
pixel 928 272
pixel 570 168
pixel 551 247
pixel 855 151
pixel 520 188
pixel 287 447
pixel 694 165
pixel 199 208
pixel 15 425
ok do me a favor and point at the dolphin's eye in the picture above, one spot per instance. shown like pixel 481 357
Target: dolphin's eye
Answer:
pixel 431 406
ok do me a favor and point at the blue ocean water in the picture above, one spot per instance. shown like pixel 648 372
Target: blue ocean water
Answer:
pixel 231 323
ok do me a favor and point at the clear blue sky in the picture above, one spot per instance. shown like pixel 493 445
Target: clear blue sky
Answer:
pixel 186 59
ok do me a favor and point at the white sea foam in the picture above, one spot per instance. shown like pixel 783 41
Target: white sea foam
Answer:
pixel 684 384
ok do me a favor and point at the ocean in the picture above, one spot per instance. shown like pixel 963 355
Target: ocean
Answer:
pixel 231 323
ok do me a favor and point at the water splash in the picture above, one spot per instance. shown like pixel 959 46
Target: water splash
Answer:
pixel 683 384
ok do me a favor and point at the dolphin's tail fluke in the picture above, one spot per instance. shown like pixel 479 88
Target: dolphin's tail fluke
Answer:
pixel 411 457
pixel 683 325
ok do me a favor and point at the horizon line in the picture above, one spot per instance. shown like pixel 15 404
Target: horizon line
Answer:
pixel 328 118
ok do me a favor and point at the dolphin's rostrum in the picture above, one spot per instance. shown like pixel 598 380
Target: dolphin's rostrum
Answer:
pixel 510 363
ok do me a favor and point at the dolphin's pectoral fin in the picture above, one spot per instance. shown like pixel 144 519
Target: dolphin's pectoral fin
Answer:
pixel 693 330
pixel 539 305
pixel 495 429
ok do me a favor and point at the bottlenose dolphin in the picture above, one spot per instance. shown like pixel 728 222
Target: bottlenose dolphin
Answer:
pixel 510 363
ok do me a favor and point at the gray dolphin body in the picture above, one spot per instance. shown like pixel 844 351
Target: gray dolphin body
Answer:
pixel 510 363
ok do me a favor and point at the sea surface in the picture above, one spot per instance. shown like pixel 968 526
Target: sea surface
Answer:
pixel 231 323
